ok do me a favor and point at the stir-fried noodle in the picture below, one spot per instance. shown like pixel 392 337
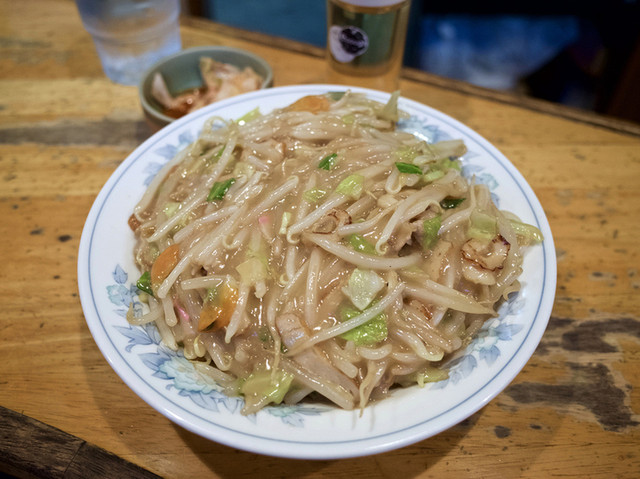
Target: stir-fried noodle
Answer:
pixel 316 250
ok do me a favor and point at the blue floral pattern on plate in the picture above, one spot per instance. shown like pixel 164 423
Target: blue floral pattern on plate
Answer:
pixel 432 133
pixel 486 345
pixel 166 152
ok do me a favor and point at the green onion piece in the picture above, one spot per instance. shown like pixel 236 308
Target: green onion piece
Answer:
pixel 360 244
pixel 219 189
pixel 314 194
pixel 433 176
pixel 430 230
pixel 144 283
pixel 408 168
pixel 483 226
pixel 450 203
pixel 328 162
pixel 255 113
pixel 373 331
pixel 529 233
pixel 351 186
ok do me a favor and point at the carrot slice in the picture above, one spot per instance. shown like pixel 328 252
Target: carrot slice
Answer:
pixel 164 264
pixel 217 314
pixel 311 103
pixel 133 222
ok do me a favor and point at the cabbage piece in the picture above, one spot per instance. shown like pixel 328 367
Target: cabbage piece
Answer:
pixel 426 375
pixel 314 195
pixel 243 169
pixel 360 244
pixel 286 219
pixel 390 110
pixel 430 230
pixel 439 168
pixel 449 163
pixel 351 186
pixel 442 150
pixel 362 287
pixel 371 332
pixel 528 233
pixel 252 271
pixel 483 226
pixel 430 375
pixel 171 208
pixel 408 154
pixel 264 386
pixel 250 115
pixel 433 176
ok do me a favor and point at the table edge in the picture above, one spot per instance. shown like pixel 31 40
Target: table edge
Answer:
pixel 55 453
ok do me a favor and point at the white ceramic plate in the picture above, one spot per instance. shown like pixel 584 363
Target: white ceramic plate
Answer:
pixel 168 382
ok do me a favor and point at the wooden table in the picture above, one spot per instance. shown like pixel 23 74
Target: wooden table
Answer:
pixel 573 411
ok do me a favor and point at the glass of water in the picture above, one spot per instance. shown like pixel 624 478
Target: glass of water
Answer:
pixel 131 35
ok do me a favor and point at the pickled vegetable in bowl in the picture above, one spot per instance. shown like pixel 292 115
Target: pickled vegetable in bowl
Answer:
pixel 220 81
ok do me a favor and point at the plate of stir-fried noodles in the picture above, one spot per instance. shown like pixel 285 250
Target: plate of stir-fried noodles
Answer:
pixel 317 271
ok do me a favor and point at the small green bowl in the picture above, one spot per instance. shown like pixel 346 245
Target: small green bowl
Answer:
pixel 181 72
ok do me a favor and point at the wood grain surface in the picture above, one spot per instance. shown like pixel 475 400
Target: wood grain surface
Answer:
pixel 573 411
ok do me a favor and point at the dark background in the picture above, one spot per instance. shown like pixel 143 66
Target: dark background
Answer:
pixel 584 54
